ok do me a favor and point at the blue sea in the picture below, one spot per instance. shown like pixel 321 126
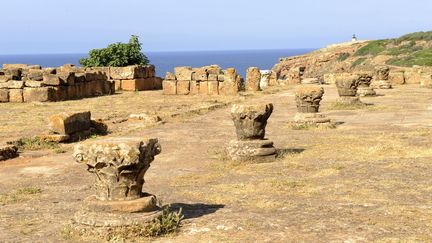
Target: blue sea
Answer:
pixel 166 61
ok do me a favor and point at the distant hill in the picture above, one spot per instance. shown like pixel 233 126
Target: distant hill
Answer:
pixel 410 50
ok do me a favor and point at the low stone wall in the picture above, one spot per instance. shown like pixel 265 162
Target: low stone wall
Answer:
pixel 32 83
pixel 208 80
pixel 23 83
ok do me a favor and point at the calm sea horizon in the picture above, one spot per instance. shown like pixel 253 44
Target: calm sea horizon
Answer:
pixel 166 61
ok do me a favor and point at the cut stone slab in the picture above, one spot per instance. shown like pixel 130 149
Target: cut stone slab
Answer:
pixel 16 95
pixel 4 95
pixel 101 219
pixel 311 118
pixel 147 203
pixel 169 87
pixel 69 123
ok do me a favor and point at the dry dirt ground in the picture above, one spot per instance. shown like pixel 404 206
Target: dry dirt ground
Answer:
pixel 367 180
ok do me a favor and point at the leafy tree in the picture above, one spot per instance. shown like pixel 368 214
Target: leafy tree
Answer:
pixel 117 55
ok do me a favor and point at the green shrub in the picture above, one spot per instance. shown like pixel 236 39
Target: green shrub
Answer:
pixel 117 55
pixel 372 48
pixel 358 62
pixel 343 57
pixel 416 36
pixel 421 58
pixel 34 143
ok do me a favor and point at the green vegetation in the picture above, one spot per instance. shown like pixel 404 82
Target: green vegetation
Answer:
pixel 358 62
pixel 20 195
pixel 372 48
pixel 343 57
pixel 421 58
pixel 117 55
pixel 343 106
pixel 34 143
pixel 416 36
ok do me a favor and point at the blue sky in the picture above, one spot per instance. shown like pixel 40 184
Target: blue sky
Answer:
pixel 53 26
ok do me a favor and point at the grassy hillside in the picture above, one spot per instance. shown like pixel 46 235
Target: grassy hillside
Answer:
pixel 408 50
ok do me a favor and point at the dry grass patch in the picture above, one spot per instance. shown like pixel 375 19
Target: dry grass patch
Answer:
pixel 20 195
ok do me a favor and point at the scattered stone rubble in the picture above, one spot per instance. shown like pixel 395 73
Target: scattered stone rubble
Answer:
pixel 119 166
pixel 381 78
pixel 208 80
pixel 347 88
pixel 72 127
pixel 250 122
pixel 308 98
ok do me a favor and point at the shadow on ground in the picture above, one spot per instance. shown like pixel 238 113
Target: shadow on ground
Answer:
pixel 191 211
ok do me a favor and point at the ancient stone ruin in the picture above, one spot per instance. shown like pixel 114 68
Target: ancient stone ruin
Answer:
pixel 22 83
pixel 208 80
pixel 253 79
pixel 308 98
pixel 250 123
pixel 32 83
pixel 364 88
pixel 347 88
pixel 135 78
pixel 119 166
pixel 72 127
pixel 381 78
pixel 265 78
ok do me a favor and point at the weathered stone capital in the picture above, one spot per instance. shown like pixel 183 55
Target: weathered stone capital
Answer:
pixel 308 98
pixel 347 86
pixel 250 121
pixel 119 165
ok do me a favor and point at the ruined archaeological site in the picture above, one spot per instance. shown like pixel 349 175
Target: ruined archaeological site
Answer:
pixel 330 146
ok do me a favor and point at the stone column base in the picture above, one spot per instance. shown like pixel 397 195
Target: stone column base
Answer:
pixel 311 118
pixel 349 100
pixel 365 91
pixel 118 213
pixel 381 84
pixel 256 150
pixel 105 219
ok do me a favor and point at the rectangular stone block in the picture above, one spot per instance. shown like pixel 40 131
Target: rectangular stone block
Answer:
pixel 4 95
pixel 183 87
pixel 157 83
pixel 51 80
pixel 150 71
pixel 4 78
pixel 183 73
pixel 33 84
pixel 15 66
pixel 170 76
pixel 203 88
pixel 228 88
pixel 13 84
pixel 129 72
pixel 131 85
pixel 16 95
pixel 212 77
pixel 200 74
pixel 169 87
pixel 412 77
pixel 117 84
pixel 194 87
pixel 69 123
pixel 213 87
pixel 35 75
pixel 42 94
pixel 397 77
